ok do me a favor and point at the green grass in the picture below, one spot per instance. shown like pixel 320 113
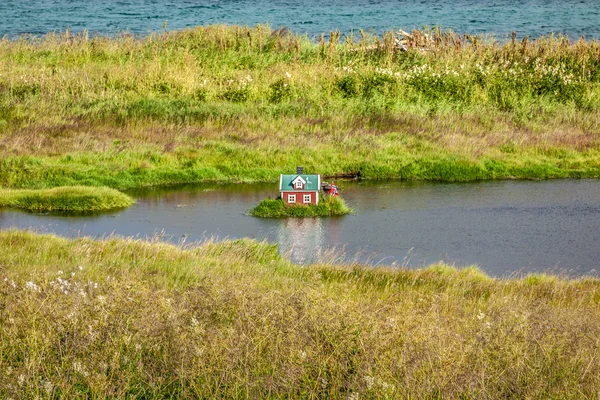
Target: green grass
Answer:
pixel 276 208
pixel 122 318
pixel 239 104
pixel 77 198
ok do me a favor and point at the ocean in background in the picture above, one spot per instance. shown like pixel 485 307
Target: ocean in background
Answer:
pixel 311 17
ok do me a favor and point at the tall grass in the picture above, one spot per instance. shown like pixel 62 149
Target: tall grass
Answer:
pixel 120 318
pixel 239 103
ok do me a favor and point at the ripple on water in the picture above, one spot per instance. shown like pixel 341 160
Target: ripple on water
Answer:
pixel 310 16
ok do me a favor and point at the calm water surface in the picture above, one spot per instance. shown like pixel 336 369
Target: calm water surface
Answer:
pixel 504 227
pixel 526 17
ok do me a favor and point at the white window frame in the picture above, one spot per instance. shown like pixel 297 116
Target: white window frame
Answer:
pixel 299 184
pixel 291 198
pixel 306 199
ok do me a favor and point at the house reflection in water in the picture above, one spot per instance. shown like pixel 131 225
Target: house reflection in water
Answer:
pixel 301 239
pixel 310 240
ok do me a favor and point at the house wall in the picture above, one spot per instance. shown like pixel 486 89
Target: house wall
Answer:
pixel 314 197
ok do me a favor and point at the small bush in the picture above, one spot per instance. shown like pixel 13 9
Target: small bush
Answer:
pixel 280 91
pixel 348 86
pixel 237 95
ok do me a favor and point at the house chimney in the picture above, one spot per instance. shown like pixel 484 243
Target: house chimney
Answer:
pixel 299 170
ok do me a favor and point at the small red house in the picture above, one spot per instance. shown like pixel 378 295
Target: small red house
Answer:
pixel 299 188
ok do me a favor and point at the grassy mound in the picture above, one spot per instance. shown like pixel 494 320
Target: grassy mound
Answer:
pixel 276 208
pixel 129 319
pixel 76 198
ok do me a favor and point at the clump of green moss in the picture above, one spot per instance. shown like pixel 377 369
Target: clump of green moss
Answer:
pixel 71 198
pixel 276 208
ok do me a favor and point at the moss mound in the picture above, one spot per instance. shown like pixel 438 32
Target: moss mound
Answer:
pixel 74 198
pixel 276 208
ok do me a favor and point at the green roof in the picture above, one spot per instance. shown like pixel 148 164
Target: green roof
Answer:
pixel 312 181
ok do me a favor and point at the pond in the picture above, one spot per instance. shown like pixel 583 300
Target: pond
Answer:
pixel 504 227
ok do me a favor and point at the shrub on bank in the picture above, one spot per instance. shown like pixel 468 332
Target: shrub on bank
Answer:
pixel 276 208
pixel 73 198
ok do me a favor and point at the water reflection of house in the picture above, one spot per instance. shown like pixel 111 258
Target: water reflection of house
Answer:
pixel 301 239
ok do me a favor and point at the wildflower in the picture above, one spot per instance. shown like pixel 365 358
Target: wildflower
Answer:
pixel 21 379
pixel 32 286
pixel 288 75
pixel 370 381
pixel 80 368
pixel 48 386
pixel 353 396
pixel 480 316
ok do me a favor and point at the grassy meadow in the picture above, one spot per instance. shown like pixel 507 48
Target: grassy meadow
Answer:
pixel 230 103
pixel 119 318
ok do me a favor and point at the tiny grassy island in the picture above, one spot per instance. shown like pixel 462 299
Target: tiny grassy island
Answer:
pixel 276 208
pixel 76 198
pixel 302 195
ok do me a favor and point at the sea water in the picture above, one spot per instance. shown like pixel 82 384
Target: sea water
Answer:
pixel 312 17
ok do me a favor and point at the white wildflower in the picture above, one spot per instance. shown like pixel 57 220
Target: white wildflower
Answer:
pixel 480 316
pixel 288 75
pixel 48 387
pixel 370 381
pixel 80 368
pixel 32 286
pixel 21 379
pixel 353 396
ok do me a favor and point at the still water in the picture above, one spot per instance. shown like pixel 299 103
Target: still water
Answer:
pixel 107 17
pixel 504 227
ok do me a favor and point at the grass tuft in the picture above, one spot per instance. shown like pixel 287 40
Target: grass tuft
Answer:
pixel 76 198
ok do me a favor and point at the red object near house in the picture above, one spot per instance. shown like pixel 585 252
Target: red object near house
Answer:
pixel 300 188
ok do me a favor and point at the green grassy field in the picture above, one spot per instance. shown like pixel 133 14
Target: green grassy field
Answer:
pixel 119 318
pixel 240 104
